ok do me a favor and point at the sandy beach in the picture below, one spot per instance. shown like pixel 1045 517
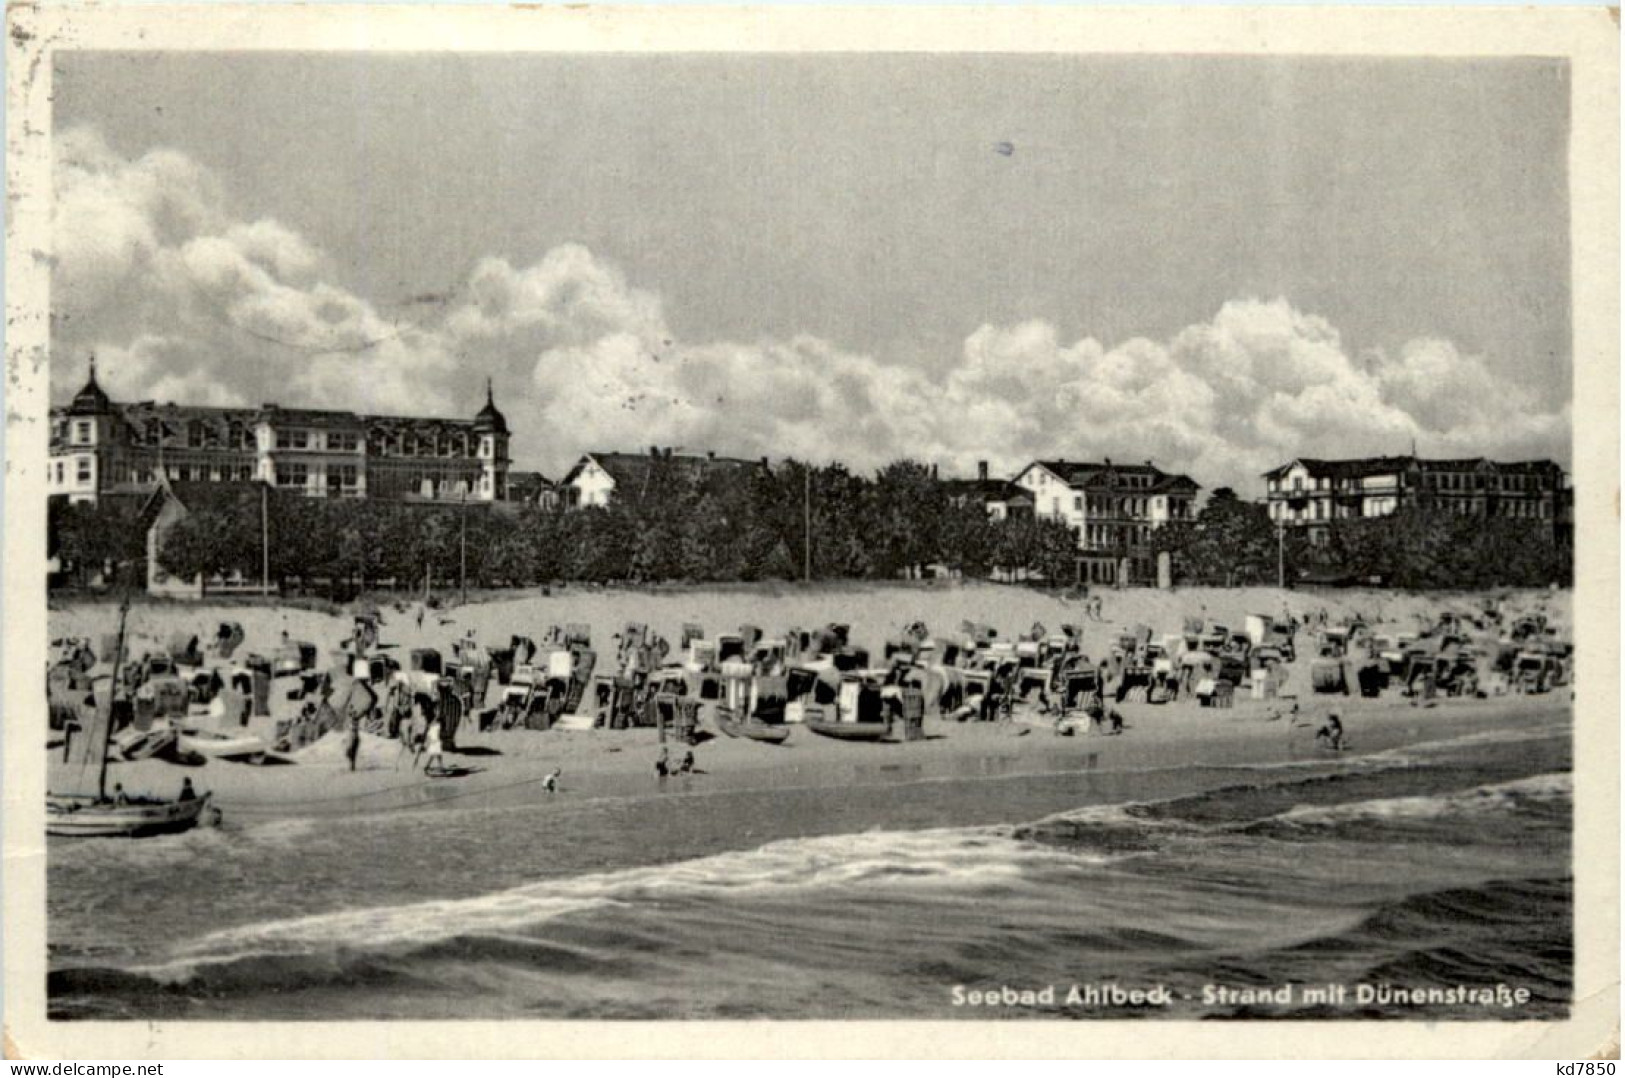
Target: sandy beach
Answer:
pixel 504 766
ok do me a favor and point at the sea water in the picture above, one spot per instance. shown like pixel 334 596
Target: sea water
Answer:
pixel 1429 882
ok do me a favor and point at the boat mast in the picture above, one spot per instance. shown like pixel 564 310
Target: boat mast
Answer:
pixel 112 693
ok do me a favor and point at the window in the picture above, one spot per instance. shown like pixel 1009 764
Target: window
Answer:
pixel 1077 504
pixel 59 471
pixel 82 471
pixel 81 432
pixel 341 441
pixel 194 435
pixel 1297 484
pixel 292 475
pixel 292 439
pixel 341 477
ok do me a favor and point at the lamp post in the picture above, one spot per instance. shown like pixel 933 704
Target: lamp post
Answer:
pixel 1280 554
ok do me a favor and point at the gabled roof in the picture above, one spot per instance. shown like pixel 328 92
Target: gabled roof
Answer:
pixel 987 490
pixel 1356 468
pixel 202 496
pixel 527 486
pixel 1106 475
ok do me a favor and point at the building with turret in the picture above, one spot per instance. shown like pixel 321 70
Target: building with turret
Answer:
pixel 99 446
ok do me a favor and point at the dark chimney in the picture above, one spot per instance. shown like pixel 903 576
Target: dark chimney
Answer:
pixel 710 454
pixel 981 470
pixel 654 450
pixel 933 471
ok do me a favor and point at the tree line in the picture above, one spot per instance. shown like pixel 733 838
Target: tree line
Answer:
pixel 1232 542
pixel 784 522
pixel 751 524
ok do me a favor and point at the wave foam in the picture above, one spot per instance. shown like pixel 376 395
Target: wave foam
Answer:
pixel 964 859
pixel 1479 800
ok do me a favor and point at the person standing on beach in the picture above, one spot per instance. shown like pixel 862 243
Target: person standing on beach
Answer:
pixel 352 740
pixel 662 764
pixel 431 746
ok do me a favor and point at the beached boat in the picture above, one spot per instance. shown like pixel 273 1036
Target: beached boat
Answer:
pixel 858 714
pixel 850 731
pixel 89 812
pixel 133 744
pixel 754 729
pixel 223 746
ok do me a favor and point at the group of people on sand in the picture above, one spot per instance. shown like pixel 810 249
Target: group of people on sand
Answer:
pixel 422 738
pixel 663 765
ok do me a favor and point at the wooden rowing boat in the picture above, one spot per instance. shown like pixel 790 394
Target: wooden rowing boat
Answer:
pixel 81 816
pixel 754 729
pixel 135 744
pixel 850 731
pixel 223 746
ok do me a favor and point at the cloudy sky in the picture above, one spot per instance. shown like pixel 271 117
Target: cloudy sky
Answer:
pixel 1218 264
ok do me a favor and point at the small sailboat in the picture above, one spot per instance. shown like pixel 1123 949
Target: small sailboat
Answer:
pixel 90 813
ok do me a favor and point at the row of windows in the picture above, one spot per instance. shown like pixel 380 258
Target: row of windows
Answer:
pixel 339 476
pixel 1321 509
pixel 81 472
pixel 1102 536
pixel 1432 480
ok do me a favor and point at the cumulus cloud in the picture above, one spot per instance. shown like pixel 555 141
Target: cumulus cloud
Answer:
pixel 185 299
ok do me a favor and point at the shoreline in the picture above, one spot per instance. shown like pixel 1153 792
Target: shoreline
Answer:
pixel 604 766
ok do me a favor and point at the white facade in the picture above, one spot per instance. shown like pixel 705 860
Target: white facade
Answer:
pixel 592 484
pixel 1053 496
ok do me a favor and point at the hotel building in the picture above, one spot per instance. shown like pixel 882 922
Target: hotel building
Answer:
pixel 99 447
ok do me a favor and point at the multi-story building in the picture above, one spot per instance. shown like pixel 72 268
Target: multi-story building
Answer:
pixel 1311 494
pixel 99 446
pixel 1112 509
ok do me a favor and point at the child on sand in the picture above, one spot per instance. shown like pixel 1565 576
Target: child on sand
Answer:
pixel 431 746
pixel 551 783
pixel 1331 735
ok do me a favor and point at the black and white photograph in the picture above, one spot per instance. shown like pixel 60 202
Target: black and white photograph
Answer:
pixel 770 534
